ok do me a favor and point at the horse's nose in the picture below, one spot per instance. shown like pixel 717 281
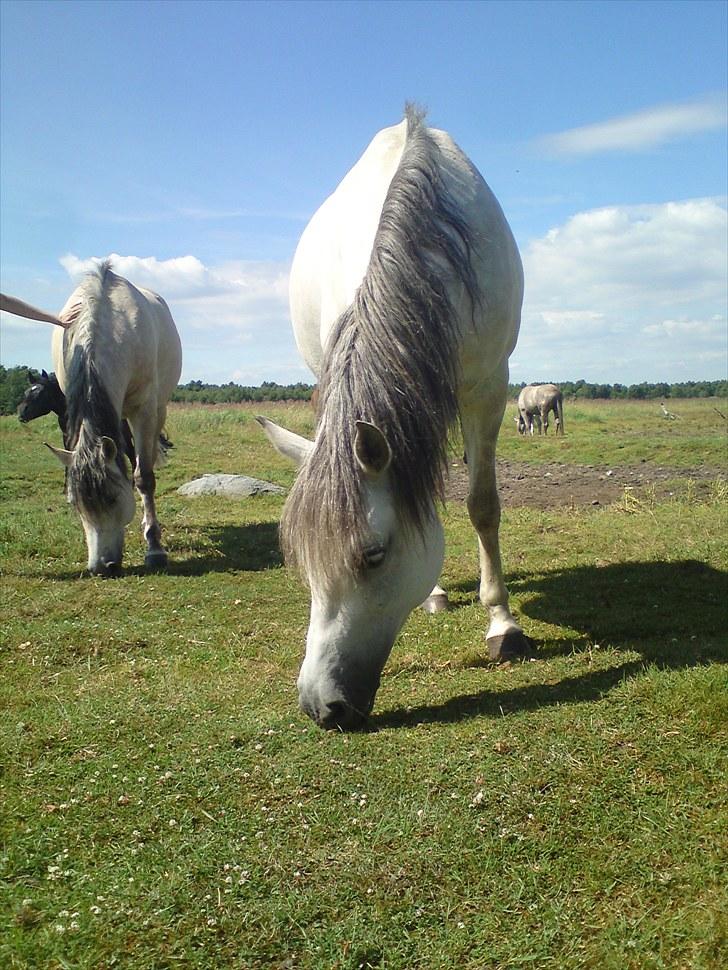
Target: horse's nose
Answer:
pixel 340 715
pixel 109 570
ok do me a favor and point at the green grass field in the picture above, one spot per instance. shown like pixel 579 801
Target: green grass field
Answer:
pixel 164 804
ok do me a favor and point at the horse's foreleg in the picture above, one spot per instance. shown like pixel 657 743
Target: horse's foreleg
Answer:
pixel 505 639
pixel 145 440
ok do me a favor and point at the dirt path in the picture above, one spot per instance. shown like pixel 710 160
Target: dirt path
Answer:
pixel 554 485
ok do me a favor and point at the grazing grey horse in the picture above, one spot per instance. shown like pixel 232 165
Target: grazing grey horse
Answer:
pixel 119 357
pixel 406 293
pixel 535 403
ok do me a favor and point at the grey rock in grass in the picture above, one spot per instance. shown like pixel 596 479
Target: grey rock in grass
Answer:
pixel 234 486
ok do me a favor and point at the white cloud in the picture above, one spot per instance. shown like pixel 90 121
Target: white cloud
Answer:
pixel 691 328
pixel 642 130
pixel 181 276
pixel 233 318
pixel 627 293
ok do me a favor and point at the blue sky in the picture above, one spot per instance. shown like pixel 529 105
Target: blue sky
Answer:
pixel 194 141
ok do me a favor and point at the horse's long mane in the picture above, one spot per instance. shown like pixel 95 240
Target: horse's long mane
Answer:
pixel 91 413
pixel 392 360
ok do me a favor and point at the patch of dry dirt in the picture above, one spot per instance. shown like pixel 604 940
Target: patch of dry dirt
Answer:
pixel 556 486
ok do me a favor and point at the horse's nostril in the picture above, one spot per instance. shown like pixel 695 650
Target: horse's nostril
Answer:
pixel 336 715
pixel 339 714
pixel 109 570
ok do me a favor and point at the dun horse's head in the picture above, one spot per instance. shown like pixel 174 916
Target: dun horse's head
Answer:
pixel 101 492
pixel 363 585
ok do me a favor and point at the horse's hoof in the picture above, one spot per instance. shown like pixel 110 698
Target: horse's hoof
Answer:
pixel 156 561
pixel 513 645
pixel 436 603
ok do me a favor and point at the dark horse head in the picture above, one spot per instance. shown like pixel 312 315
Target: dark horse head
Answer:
pixel 43 396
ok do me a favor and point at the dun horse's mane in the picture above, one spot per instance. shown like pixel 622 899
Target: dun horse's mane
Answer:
pixel 91 413
pixel 392 360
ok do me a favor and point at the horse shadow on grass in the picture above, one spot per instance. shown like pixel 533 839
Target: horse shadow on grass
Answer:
pixel 672 613
pixel 228 548
pixel 221 549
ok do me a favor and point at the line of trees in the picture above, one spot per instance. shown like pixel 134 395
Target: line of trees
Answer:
pixel 195 392
pixel 636 392
pixel 14 382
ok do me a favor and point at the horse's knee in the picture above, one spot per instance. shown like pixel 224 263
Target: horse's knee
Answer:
pixel 145 481
pixel 484 511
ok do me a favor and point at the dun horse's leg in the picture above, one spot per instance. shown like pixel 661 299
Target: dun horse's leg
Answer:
pixel 505 639
pixel 146 440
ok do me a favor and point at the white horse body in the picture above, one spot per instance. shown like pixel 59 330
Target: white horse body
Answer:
pixel 334 251
pixel 122 343
pixel 357 613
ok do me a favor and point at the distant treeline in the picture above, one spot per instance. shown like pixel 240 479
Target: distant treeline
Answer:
pixel 636 392
pixel 14 382
pixel 195 392
pixel 231 393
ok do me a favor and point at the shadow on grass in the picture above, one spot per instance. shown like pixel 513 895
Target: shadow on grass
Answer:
pixel 571 690
pixel 227 548
pixel 246 547
pixel 673 614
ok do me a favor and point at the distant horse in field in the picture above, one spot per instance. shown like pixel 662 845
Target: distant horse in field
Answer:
pixel 535 403
pixel 405 293
pixel 119 357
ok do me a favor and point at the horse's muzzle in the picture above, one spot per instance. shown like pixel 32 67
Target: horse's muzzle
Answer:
pixel 342 717
pixel 108 570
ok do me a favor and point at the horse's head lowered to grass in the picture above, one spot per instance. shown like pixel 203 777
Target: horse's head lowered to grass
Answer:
pixel 101 491
pixel 362 589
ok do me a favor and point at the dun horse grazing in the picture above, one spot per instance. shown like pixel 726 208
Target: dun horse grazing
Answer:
pixel 120 357
pixel 535 403
pixel 405 292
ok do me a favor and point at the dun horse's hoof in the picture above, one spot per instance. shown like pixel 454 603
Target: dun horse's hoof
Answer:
pixel 156 561
pixel 437 603
pixel 513 645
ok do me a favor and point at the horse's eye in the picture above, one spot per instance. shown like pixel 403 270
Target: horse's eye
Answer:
pixel 374 556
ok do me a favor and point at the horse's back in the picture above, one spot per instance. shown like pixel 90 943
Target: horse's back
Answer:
pixel 538 395
pixel 129 332
pixel 335 249
pixel 168 344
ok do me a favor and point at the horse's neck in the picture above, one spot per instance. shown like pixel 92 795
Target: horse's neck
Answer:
pixel 335 248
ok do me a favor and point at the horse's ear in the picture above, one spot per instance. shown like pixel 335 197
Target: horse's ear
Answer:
pixel 108 448
pixel 371 449
pixel 44 375
pixel 65 457
pixel 286 443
